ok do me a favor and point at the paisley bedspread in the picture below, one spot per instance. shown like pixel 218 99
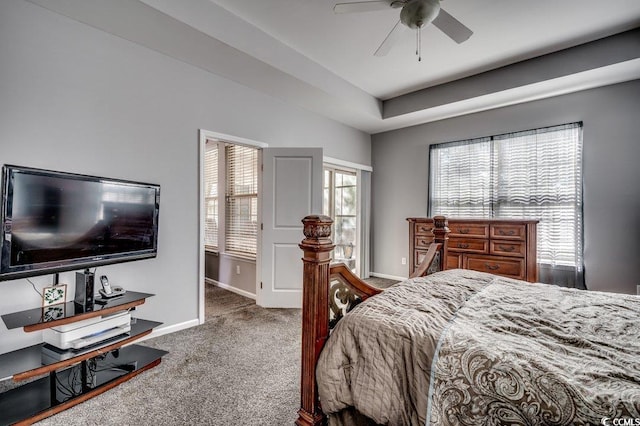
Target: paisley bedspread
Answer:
pixel 466 348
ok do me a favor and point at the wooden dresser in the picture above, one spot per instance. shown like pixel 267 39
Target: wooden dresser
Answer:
pixel 499 246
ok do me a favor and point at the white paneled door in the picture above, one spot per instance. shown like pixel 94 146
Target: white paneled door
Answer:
pixel 291 190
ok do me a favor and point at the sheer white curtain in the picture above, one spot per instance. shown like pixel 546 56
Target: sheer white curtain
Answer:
pixel 532 174
pixel 364 228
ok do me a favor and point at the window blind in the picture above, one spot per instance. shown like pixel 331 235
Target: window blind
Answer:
pixel 461 178
pixel 242 199
pixel 532 174
pixel 211 195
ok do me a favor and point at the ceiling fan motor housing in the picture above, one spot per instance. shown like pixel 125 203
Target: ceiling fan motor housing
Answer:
pixel 418 13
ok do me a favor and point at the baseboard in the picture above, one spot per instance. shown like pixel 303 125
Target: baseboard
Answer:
pixel 230 288
pixel 389 277
pixel 161 331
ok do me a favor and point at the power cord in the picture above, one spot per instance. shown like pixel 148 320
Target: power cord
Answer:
pixel 35 289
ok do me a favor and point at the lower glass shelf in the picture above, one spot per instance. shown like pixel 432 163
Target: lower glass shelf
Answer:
pixel 31 358
pixel 67 387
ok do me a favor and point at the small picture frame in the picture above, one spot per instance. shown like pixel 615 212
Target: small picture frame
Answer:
pixel 53 312
pixel 54 295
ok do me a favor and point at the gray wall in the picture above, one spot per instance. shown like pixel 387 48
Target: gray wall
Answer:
pixel 611 175
pixel 212 265
pixel 77 99
pixel 238 273
pixel 231 271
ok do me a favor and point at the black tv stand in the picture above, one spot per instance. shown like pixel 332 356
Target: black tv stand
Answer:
pixel 71 377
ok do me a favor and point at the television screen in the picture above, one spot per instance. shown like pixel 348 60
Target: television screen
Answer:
pixel 56 221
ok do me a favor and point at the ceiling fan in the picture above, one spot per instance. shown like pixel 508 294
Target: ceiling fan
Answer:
pixel 415 14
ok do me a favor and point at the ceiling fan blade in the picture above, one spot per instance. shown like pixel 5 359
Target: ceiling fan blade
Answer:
pixel 391 38
pixel 453 28
pixel 360 6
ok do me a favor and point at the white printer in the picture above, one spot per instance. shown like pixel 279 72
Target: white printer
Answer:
pixel 88 332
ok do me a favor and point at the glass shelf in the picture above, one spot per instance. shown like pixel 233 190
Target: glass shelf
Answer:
pixel 66 313
pixel 30 361
pixel 54 393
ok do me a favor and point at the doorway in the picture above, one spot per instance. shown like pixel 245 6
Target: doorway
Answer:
pixel 267 221
pixel 340 204
pixel 347 200
pixel 229 214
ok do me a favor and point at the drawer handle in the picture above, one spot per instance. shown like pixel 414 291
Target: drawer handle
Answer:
pixel 506 248
pixel 463 245
pixel 502 232
pixel 464 230
pixel 423 242
pixel 492 267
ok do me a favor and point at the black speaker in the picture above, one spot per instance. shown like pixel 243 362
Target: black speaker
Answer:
pixel 84 290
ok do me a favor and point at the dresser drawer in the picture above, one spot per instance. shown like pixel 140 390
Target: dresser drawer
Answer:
pixel 479 230
pixel 509 231
pixel 423 241
pixel 508 248
pixel 509 267
pixel 423 228
pixel 454 260
pixel 469 245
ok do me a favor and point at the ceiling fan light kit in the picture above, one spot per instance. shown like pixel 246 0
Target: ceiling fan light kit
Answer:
pixel 415 14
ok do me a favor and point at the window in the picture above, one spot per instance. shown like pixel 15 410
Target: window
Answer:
pixel 241 199
pixel 532 174
pixel 236 173
pixel 340 203
pixel 211 195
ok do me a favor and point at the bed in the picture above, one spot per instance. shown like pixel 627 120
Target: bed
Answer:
pixel 460 347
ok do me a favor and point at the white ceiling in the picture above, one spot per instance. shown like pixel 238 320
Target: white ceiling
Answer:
pixel 304 54
pixel 505 31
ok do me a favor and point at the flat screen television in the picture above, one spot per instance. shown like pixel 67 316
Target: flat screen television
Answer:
pixel 56 221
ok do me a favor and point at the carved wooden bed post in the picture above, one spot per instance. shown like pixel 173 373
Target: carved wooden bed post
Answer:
pixel 317 247
pixel 329 292
pixel 441 235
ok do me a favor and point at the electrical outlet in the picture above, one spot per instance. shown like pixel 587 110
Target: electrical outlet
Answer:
pixel 403 260
pixel 237 269
pixel 638 289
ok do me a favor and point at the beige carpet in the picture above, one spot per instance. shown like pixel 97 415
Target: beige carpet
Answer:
pixel 239 368
pixel 220 302
pixel 380 282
